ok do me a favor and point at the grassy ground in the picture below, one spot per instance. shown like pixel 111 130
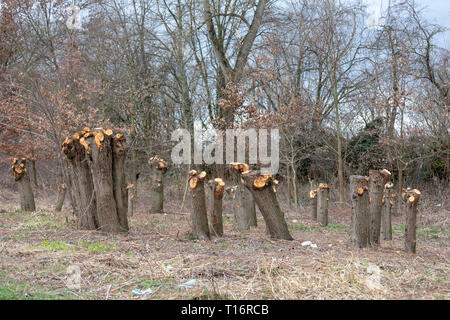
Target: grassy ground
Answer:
pixel 36 250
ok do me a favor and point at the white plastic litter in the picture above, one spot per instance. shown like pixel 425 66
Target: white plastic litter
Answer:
pixel 169 267
pixel 295 221
pixel 309 243
pixel 141 293
pixel 189 283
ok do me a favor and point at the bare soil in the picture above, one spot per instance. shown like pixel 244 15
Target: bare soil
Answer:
pixel 36 250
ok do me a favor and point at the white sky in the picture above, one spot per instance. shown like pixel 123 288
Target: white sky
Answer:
pixel 435 11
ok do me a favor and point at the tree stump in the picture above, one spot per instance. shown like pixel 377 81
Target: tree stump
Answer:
pixel 79 181
pixel 377 180
pixel 22 178
pixel 411 197
pixel 97 180
pixel 130 190
pixel 244 207
pixel 322 204
pixel 360 211
pixel 199 218
pixel 313 201
pixel 263 190
pixel 217 187
pixel 61 196
pixel 158 167
pixel 386 213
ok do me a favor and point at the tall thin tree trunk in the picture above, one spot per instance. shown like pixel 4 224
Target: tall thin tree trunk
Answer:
pixel 322 204
pixel 313 201
pixel 377 180
pixel 411 198
pixel 61 196
pixel 216 194
pixel 386 221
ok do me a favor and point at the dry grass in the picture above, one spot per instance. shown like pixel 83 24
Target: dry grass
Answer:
pixel 37 248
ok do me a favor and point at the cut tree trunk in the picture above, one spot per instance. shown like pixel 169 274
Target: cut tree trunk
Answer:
pixel 158 167
pixel 411 197
pixel 199 218
pixel 119 151
pixel 244 206
pixel 80 184
pixel 360 211
pixel 263 190
pixel 61 196
pixel 22 179
pixel 377 180
pixel 96 179
pixel 313 201
pixel 216 194
pixel 386 221
pixel 322 204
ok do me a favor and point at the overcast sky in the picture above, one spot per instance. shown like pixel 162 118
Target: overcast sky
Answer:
pixel 435 11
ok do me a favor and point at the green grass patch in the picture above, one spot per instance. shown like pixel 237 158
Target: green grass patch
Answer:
pixel 96 247
pixel 11 289
pixel 54 245
pixel 223 245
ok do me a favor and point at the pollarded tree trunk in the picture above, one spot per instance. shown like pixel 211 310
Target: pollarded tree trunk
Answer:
pixel 244 208
pixel 199 217
pixel 158 168
pixel 80 183
pixel 359 231
pixel 216 222
pixel 119 150
pixel 22 178
pixel 102 151
pixel 313 201
pixel 322 204
pixel 377 180
pixel 386 221
pixel 263 190
pixel 411 197
pixel 96 179
pixel 61 196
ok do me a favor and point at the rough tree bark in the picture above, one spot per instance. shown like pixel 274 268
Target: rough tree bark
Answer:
pixel 158 167
pixel 22 179
pixel 97 180
pixel 199 217
pixel 313 198
pixel 359 231
pixel 263 190
pixel 411 197
pixel 244 207
pixel 61 196
pixel 79 182
pixel 386 221
pixel 322 204
pixel 377 180
pixel 217 187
